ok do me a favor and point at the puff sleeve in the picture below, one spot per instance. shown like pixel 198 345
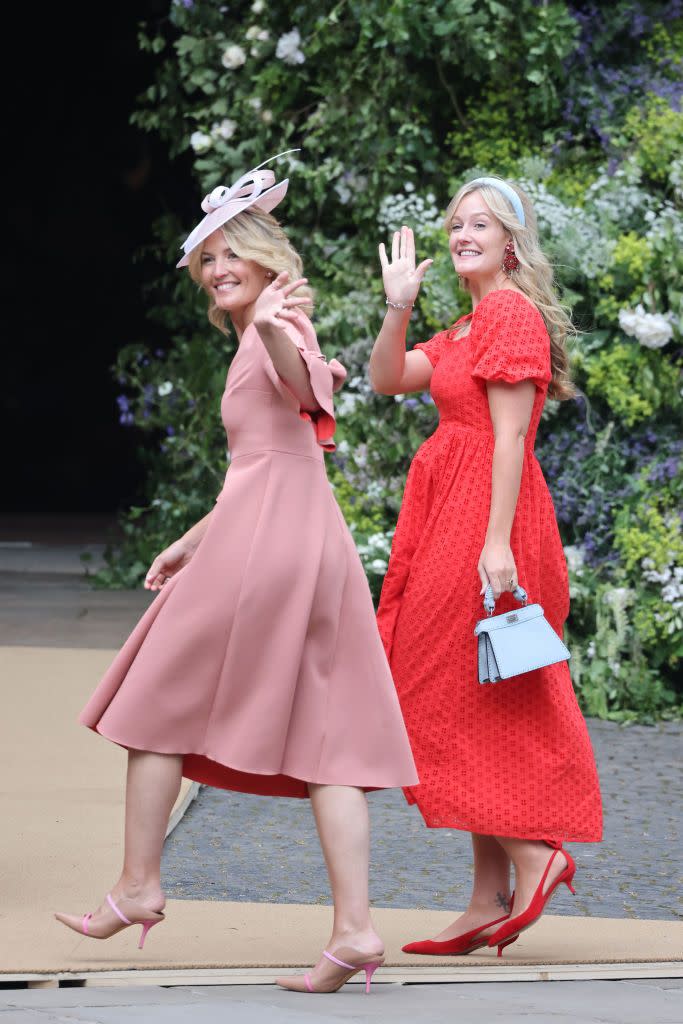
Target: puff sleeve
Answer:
pixel 432 348
pixel 509 340
pixel 325 378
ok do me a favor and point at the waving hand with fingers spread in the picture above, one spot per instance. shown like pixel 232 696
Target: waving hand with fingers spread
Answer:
pixel 276 305
pixel 392 370
pixel 402 279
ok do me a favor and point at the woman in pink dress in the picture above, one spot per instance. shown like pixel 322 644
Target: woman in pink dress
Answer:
pixel 259 667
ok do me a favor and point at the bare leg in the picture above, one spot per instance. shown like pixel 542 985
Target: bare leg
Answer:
pixel 341 815
pixel 151 790
pixel 152 787
pixel 490 897
pixel 530 857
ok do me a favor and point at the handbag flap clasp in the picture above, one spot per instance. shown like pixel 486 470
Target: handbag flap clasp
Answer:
pixel 530 611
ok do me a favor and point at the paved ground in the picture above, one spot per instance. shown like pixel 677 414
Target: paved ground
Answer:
pixel 559 1002
pixel 236 847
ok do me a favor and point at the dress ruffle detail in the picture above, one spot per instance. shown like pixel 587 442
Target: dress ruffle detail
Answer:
pixel 325 378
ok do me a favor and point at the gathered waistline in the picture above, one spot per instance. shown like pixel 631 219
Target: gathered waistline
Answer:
pixel 278 451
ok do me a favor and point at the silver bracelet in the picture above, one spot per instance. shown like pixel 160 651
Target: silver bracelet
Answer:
pixel 400 305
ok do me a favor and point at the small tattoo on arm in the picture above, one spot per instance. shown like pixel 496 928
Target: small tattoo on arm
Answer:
pixel 503 902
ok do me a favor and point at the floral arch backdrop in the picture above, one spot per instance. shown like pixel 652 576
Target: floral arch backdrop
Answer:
pixel 394 103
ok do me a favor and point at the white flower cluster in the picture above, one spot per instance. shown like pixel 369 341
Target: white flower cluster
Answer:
pixel 666 228
pixel 224 129
pixel 233 57
pixel 417 211
pixel 671 580
pixel 578 240
pixel 348 185
pixel 375 551
pixel 576 558
pixel 619 198
pixel 676 178
pixel 200 142
pixel 653 330
pixel 256 36
pixel 165 388
pixel 288 48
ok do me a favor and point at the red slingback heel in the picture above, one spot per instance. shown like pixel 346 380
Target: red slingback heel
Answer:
pixel 508 932
pixel 461 945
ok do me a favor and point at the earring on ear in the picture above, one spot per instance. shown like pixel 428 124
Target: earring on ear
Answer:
pixel 269 273
pixel 510 261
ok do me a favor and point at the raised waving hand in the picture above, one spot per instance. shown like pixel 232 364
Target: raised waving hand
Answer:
pixel 402 279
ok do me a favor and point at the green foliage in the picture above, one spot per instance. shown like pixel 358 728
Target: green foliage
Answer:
pixel 394 103
pixel 655 132
pixel 633 382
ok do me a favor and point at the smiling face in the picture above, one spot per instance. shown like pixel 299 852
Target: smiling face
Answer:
pixel 477 240
pixel 234 284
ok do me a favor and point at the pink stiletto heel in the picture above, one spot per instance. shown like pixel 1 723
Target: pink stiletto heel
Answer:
pixel 146 927
pixel 111 921
pixel 369 971
pixel 334 983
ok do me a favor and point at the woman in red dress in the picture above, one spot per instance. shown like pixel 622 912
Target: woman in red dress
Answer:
pixel 510 763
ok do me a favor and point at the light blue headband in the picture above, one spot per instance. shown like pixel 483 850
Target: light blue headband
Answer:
pixel 509 193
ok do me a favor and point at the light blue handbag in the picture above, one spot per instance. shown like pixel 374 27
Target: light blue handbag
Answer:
pixel 515 642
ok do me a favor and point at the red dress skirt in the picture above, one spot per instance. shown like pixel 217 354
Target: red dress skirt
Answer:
pixel 513 758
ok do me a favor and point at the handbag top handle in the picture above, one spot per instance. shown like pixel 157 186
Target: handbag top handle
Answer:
pixel 519 594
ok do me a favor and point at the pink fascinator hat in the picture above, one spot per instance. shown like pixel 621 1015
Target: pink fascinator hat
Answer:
pixel 255 188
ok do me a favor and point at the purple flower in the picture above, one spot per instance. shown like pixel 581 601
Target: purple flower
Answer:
pixel 411 403
pixel 426 398
pixel 170 432
pixel 123 403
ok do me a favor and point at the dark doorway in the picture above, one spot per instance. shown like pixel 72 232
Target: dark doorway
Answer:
pixel 84 189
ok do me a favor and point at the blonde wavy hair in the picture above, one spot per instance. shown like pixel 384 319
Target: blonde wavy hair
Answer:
pixel 534 277
pixel 254 235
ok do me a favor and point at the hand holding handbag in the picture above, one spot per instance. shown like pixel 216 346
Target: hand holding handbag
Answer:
pixel 515 642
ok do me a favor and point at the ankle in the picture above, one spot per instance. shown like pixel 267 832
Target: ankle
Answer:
pixel 362 936
pixel 146 890
pixel 493 906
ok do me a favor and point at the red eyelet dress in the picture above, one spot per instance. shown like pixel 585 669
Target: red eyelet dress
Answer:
pixel 513 758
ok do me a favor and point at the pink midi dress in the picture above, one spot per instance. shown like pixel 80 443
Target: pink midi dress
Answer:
pixel 260 660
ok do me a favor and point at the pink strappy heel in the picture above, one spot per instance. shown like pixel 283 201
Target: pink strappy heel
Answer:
pixel 109 924
pixel 334 983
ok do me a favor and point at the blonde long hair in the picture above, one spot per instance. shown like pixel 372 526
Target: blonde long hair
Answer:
pixel 534 276
pixel 253 235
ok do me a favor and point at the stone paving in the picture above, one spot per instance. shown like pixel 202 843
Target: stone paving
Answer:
pixel 231 846
pixel 656 1001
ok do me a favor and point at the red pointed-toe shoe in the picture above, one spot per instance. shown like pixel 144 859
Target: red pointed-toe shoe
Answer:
pixel 461 945
pixel 510 931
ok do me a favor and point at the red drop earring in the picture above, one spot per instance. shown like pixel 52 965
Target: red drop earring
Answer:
pixel 510 261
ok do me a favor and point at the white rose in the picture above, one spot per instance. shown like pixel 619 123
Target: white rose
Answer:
pixel 288 48
pixel 255 103
pixel 258 6
pixel 200 142
pixel 224 129
pixel 258 33
pixel 233 57
pixel 653 330
pixel 165 389
pixel 267 116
